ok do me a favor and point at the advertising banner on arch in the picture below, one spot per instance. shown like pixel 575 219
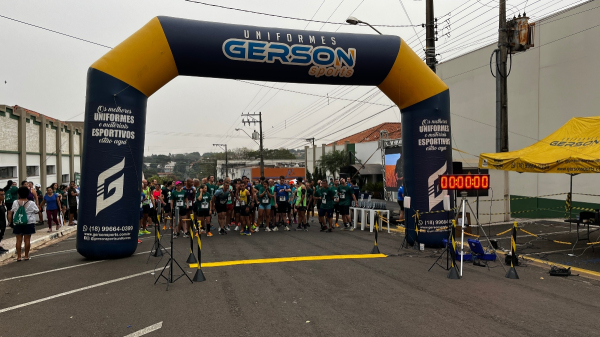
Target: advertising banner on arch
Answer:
pixel 394 172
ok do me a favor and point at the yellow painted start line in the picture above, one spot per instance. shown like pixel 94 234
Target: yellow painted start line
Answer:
pixel 548 263
pixel 288 259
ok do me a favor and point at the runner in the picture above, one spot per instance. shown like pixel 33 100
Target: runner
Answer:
pixel 203 208
pixel 264 208
pixel 190 196
pixel 179 200
pixel 145 207
pixel 222 195
pixel 326 211
pixel 243 197
pixel 346 195
pixel 142 198
pixel 300 204
pixel 310 206
pixel 72 193
pixel 292 201
pixel 282 201
pixel 336 202
pixel 237 184
pixel 166 197
pixel 230 218
pixel 272 218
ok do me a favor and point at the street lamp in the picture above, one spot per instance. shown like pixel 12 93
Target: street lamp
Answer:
pixel 354 21
pixel 248 135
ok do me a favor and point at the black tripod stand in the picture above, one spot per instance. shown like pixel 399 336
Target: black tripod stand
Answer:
pixel 157 247
pixel 170 278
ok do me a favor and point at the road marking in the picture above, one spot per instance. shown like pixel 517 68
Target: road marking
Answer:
pixel 50 271
pixel 77 290
pixel 61 251
pixel 144 331
pixel 288 259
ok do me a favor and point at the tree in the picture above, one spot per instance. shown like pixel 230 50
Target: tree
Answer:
pixel 333 161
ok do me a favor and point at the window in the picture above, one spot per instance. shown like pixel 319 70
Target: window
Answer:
pixel 50 169
pixel 7 172
pixel 65 179
pixel 33 171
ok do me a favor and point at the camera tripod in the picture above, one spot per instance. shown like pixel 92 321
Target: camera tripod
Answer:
pixel 169 277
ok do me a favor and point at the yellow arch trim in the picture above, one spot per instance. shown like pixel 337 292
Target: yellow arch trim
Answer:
pixel 144 60
pixel 410 80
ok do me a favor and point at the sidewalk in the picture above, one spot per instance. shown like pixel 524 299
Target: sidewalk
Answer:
pixel 40 237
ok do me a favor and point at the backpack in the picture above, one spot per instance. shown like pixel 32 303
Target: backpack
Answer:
pixel 20 217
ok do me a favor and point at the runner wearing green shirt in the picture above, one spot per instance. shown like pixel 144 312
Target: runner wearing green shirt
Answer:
pixel 326 210
pixel 264 197
pixel 179 200
pixel 301 198
pixel 346 195
pixel 203 208
pixel 272 217
pixel 310 206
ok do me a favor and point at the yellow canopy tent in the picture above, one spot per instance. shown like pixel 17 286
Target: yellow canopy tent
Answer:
pixel 572 149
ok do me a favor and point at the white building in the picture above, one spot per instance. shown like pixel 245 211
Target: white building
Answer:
pixel 38 148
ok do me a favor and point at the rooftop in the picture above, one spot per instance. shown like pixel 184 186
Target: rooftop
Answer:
pixel 373 134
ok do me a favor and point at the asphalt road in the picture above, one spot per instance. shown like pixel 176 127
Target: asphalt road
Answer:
pixel 393 296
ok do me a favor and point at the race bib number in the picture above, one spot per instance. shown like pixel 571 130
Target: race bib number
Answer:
pixel 189 203
pixel 282 198
pixel 179 203
pixel 324 201
pixel 342 196
pixel 229 197
pixel 237 203
pixel 265 200
pixel 242 203
pixel 204 205
pixel 223 202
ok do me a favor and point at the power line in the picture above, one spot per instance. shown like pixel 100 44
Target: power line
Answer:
pixel 409 20
pixel 54 31
pixel 308 23
pixel 288 17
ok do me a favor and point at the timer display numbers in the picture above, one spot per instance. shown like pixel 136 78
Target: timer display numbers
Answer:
pixel 465 182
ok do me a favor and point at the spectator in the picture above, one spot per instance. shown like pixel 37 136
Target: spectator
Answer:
pixel 23 229
pixel 52 202
pixel 2 218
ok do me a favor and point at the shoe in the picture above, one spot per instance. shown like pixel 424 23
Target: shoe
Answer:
pixel 140 233
pixel 267 229
pixel 299 228
pixel 139 241
pixel 145 231
pixel 213 228
pixel 286 228
pixel 330 230
pixel 209 234
pixel 275 229
pixel 336 225
pixel 295 222
pixel 164 227
pixel 222 231
pixel 323 228
pixel 351 229
pixel 175 236
pixel 247 232
pixel 202 231
pixel 306 227
pixel 186 235
pixel 227 228
pixel 237 228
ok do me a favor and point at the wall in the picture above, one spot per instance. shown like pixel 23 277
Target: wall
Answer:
pixel 549 84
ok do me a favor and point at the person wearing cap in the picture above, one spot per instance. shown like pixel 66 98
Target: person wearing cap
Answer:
pixel 179 200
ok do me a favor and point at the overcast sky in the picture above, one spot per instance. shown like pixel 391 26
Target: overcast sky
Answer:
pixel 46 72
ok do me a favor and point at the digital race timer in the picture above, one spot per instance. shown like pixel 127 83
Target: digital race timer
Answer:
pixel 465 182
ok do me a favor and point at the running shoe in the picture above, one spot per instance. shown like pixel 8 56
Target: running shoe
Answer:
pixel 351 229
pixel 336 225
pixel 227 228
pixel 222 231
pixel 330 230
pixel 247 232
pixel 323 228
pixel 275 229
pixel 286 228
pixel 267 229
pixel 202 231
pixel 209 234
pixel 164 227
pixel 139 241
pixel 140 233
pixel 186 235
pixel 175 236
pixel 237 228
pixel 299 228
pixel 145 231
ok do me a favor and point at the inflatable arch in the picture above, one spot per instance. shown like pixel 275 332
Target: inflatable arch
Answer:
pixel 119 84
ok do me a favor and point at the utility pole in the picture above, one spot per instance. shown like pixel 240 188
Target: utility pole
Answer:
pixel 253 120
pixel 502 98
pixel 224 146
pixel 430 36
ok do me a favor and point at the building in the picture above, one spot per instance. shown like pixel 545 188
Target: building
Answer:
pixel 240 167
pixel 364 147
pixel 549 84
pixel 38 148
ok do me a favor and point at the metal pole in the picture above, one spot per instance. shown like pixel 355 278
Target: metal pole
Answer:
pixel 571 205
pixel 262 162
pixel 462 237
pixel 502 98
pixel 430 35
pixel 226 168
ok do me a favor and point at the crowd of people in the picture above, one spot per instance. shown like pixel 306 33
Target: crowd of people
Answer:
pixel 21 208
pixel 245 206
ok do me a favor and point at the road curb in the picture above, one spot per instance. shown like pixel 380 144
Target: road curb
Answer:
pixel 40 241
